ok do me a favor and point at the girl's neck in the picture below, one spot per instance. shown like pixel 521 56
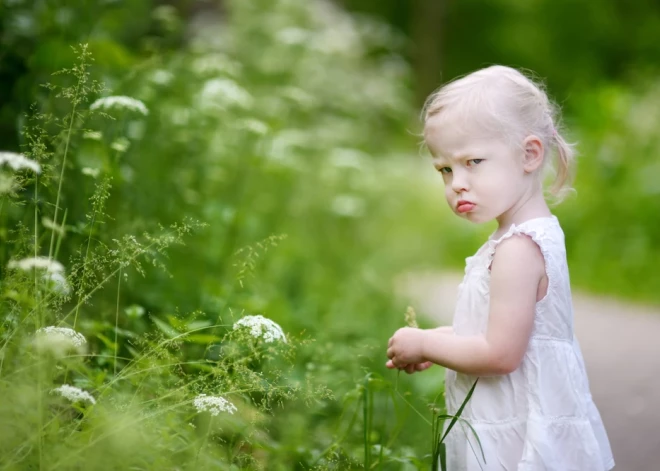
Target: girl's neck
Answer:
pixel 528 207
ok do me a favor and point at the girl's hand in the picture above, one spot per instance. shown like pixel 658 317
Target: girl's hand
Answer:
pixel 414 368
pixel 406 347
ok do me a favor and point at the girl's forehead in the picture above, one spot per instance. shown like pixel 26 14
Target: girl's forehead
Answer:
pixel 451 140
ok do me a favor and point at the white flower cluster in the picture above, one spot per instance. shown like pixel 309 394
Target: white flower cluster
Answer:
pixel 57 282
pixel 261 327
pixel 54 276
pixel 215 64
pixel 75 338
pixel 120 102
pixel 74 394
pixel 59 341
pixel 41 263
pixel 213 404
pixel 18 161
pixel 91 172
pixel 222 93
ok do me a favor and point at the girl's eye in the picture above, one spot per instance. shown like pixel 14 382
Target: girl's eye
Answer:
pixel 475 161
pixel 444 170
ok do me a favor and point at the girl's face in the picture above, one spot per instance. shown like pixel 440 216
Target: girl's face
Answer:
pixel 484 177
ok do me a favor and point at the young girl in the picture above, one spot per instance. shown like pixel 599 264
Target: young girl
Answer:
pixel 491 135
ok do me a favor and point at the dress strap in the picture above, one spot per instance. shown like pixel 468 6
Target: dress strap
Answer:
pixel 536 229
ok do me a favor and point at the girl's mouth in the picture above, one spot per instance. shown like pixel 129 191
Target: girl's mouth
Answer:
pixel 464 206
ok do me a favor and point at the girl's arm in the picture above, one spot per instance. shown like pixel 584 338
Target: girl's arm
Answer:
pixel 516 272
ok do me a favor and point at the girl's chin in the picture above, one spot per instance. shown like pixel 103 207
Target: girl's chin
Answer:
pixel 475 217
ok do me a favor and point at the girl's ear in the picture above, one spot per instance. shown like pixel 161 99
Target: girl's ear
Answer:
pixel 533 153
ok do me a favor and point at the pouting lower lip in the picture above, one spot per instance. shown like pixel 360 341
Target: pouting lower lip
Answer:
pixel 464 207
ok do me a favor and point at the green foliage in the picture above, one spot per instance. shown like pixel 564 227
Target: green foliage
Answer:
pixel 611 224
pixel 574 44
pixel 253 168
pixel 262 133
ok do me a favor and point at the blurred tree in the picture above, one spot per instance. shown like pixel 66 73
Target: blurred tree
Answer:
pixel 573 43
pixel 36 38
pixel 427 30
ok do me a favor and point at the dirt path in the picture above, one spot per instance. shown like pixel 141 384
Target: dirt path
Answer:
pixel 621 346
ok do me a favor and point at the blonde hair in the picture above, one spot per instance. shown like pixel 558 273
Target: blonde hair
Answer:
pixel 507 103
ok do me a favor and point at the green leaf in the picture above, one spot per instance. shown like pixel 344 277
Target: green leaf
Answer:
pixel 106 341
pixel 460 409
pixel 165 327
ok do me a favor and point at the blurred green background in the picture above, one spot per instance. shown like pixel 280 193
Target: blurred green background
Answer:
pixel 300 117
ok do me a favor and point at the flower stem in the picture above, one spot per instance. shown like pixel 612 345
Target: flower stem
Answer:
pixel 39 318
pixel 59 188
pixel 117 318
pixel 82 280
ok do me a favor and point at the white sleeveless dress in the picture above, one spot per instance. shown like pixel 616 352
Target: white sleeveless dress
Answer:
pixel 541 417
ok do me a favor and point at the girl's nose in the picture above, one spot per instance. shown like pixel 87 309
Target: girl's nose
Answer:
pixel 459 182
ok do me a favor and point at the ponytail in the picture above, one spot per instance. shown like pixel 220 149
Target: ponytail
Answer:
pixel 564 172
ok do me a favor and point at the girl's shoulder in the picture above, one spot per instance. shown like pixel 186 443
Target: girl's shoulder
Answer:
pixel 541 228
pixel 545 231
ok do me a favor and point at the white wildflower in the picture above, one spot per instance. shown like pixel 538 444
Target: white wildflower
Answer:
pixel 285 144
pixel 74 394
pixel 57 282
pixel 162 77
pixel 255 126
pixel 134 310
pixel 292 36
pixel 348 158
pixel 49 224
pixel 19 161
pixel 23 23
pixel 54 271
pixel 92 172
pixel 93 135
pixel 213 404
pixel 40 263
pixel 261 327
pixel 215 64
pixel 120 144
pixel 299 96
pixel 121 102
pixel 59 341
pixel 76 338
pixel 348 206
pixel 338 33
pixel 223 92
